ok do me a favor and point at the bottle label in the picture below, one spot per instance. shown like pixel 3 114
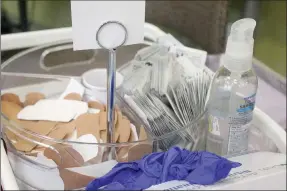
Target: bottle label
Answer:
pixel 228 131
pixel 213 125
pixel 247 104
pixel 239 125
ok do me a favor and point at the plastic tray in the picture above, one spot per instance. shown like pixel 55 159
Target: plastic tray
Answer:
pixel 24 71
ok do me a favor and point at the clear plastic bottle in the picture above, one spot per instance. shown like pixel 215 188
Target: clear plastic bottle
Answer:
pixel 232 94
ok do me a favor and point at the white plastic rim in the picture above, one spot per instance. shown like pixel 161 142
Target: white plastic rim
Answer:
pixel 96 79
pixel 8 181
pixel 36 38
pixel 152 32
pixel 271 129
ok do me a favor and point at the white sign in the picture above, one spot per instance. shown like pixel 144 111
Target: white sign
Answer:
pixel 88 16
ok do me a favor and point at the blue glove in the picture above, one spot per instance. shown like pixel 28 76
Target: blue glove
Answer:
pixel 201 167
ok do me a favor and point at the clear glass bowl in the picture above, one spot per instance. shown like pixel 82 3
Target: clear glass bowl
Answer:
pixel 34 71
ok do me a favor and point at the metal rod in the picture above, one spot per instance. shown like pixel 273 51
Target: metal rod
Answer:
pixel 111 76
pixel 111 94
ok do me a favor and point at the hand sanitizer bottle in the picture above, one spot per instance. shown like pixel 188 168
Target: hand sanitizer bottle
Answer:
pixel 232 94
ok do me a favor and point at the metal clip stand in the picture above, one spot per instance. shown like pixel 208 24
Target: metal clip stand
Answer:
pixel 111 76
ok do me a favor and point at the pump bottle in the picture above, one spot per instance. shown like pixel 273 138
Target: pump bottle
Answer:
pixel 232 94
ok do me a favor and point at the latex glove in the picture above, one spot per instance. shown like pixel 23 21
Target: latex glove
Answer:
pixel 201 167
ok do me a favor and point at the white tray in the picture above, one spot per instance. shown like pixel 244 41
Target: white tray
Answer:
pixel 263 124
pixel 266 134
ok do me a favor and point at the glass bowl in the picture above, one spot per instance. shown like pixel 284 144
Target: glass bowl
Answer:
pixel 59 164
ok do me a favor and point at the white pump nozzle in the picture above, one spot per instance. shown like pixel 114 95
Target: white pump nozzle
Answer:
pixel 239 48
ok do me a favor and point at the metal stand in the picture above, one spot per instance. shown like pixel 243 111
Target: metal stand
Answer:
pixel 111 76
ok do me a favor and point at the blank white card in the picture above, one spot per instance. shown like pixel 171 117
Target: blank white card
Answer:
pixel 88 16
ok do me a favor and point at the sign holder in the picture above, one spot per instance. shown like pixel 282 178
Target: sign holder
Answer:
pixel 111 76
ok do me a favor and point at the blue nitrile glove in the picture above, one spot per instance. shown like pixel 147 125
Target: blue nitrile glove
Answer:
pixel 201 167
